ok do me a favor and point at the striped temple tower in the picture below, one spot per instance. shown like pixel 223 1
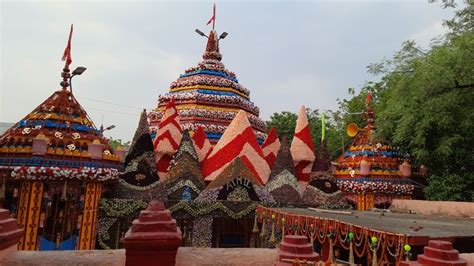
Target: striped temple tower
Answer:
pixel 372 174
pixel 209 96
pixel 53 164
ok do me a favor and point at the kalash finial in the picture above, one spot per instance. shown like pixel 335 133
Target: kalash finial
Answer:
pixel 212 47
pixel 67 57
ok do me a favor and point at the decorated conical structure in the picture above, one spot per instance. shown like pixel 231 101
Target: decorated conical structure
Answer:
pixel 372 174
pixel 271 146
pixel 140 169
pixel 284 160
pixel 282 183
pixel 184 179
pixel 57 135
pixel 201 144
pixel 167 139
pixel 209 96
pixel 55 156
pixel 238 141
pixel 237 183
pixel 302 147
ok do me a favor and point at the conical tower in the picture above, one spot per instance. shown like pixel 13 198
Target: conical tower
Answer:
pixel 209 96
pixel 55 156
pixel 140 168
pixel 372 174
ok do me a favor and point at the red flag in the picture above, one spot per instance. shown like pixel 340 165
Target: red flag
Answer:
pixel 369 98
pixel 67 51
pixel 213 19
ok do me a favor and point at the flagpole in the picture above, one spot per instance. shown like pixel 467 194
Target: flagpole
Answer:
pixel 214 20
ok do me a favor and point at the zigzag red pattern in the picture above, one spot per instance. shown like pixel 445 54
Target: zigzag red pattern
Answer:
pixel 202 145
pixel 271 146
pixel 217 160
pixel 302 147
pixel 305 136
pixel 169 133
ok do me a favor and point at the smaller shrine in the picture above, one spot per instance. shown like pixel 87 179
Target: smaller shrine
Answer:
pixel 53 164
pixel 372 174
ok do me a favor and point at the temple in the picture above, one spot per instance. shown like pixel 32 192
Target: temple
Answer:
pixel 53 164
pixel 209 96
pixel 372 174
pixel 203 171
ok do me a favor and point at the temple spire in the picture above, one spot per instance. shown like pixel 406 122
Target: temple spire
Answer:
pixel 67 57
pixel 212 47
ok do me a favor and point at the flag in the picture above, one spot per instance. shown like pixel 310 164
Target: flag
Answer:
pixel 369 98
pixel 67 51
pixel 323 127
pixel 213 18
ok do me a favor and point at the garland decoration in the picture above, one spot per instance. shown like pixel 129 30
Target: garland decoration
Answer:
pixel 198 209
pixel 58 173
pixel 382 187
pixel 121 207
pixel 367 241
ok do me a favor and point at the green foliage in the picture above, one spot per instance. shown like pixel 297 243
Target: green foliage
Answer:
pixel 114 143
pixel 450 187
pixel 426 107
pixel 284 123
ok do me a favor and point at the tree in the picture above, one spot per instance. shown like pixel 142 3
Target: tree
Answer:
pixel 426 106
pixel 115 143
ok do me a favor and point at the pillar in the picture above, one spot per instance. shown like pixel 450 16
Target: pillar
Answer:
pixel 325 247
pixel 369 201
pixel 361 202
pixel 29 210
pixel 89 216
pixel 153 239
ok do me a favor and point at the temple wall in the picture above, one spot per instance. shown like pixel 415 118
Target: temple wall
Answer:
pixel 444 208
pixel 186 257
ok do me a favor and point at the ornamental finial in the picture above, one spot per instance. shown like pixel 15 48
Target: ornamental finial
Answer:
pixel 67 57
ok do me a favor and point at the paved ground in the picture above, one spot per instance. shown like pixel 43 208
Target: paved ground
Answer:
pixel 401 223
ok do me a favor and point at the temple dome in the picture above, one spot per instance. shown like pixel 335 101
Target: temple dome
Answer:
pixel 367 167
pixel 209 96
pixel 58 140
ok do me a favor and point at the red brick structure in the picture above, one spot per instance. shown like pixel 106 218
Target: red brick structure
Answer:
pixel 153 238
pixel 10 233
pixel 295 248
pixel 438 253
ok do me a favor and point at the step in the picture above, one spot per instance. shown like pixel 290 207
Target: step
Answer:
pixel 295 239
pixel 308 257
pixel 440 244
pixel 297 249
pixel 438 262
pixel 447 255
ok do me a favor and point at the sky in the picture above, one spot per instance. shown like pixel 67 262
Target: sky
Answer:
pixel 287 53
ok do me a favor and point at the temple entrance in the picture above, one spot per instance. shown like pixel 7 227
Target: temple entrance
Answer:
pixel 231 233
